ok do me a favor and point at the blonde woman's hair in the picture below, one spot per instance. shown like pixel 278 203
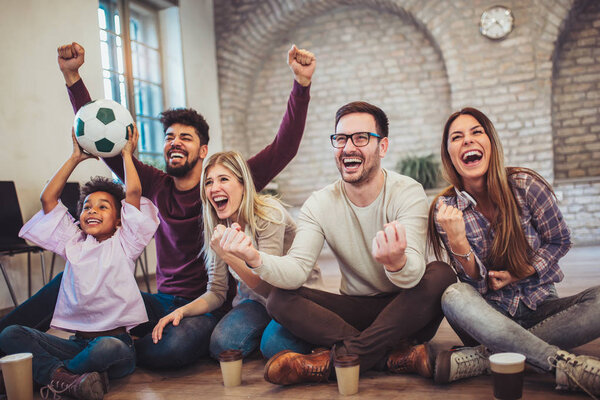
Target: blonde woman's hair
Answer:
pixel 254 208
pixel 510 249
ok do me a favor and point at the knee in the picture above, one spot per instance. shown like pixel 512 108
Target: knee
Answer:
pixel 10 334
pixel 454 295
pixel 277 302
pixel 444 274
pixel 111 345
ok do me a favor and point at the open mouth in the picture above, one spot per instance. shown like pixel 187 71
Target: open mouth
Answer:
pixel 93 221
pixel 352 163
pixel 176 155
pixel 472 157
pixel 220 202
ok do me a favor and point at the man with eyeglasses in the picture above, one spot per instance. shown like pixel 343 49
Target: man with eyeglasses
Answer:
pixel 375 222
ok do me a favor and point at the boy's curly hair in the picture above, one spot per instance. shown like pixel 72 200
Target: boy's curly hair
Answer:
pixel 102 184
pixel 186 116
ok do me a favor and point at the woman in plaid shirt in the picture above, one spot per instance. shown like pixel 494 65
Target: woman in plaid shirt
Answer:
pixel 504 234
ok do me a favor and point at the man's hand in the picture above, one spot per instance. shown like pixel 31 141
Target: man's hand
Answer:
pixel 78 154
pixel 498 279
pixel 389 246
pixel 132 141
pixel 302 63
pixel 237 243
pixel 70 59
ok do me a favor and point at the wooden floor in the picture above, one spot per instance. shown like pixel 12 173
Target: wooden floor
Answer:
pixel 203 380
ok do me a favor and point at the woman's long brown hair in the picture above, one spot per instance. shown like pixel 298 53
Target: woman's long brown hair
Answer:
pixel 510 249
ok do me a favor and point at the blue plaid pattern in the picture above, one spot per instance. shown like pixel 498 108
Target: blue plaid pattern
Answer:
pixel 545 230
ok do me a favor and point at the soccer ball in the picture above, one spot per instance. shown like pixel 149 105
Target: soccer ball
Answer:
pixel 101 127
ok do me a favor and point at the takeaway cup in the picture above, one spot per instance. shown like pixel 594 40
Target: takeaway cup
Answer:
pixel 231 367
pixel 17 372
pixel 507 374
pixel 347 368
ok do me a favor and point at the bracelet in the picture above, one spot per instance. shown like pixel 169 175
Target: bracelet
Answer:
pixel 465 256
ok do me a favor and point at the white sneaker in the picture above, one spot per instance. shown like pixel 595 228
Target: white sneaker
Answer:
pixel 460 363
pixel 577 373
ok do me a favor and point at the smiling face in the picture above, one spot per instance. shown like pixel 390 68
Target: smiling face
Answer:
pixel 359 164
pixel 182 149
pixel 224 191
pixel 99 216
pixel 469 148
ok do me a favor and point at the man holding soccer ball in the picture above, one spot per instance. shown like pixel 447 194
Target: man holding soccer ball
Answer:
pixel 180 272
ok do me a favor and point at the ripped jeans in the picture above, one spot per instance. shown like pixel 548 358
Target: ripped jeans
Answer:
pixel 557 323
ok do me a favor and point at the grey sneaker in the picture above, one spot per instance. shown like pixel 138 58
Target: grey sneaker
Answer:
pixel 577 373
pixel 460 363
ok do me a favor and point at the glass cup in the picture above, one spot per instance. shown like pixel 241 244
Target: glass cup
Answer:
pixel 347 369
pixel 18 379
pixel 507 374
pixel 231 367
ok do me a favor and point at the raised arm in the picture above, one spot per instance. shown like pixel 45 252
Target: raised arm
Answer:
pixel 270 161
pixel 52 191
pixel 133 187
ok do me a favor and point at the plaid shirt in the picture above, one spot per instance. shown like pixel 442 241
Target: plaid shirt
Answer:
pixel 545 230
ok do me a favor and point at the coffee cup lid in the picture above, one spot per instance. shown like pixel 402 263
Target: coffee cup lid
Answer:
pixel 507 358
pixel 230 355
pixel 15 357
pixel 346 360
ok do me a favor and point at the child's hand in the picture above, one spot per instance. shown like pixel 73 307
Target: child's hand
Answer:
pixel 131 145
pixel 174 318
pixel 78 153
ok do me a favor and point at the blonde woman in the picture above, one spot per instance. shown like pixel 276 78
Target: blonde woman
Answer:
pixel 504 233
pixel 230 199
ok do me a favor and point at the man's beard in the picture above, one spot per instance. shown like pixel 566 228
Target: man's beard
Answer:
pixel 181 170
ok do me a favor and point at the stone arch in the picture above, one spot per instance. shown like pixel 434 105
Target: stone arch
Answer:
pixel 576 94
pixel 243 51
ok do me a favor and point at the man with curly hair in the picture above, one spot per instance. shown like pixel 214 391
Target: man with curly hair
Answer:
pixel 180 271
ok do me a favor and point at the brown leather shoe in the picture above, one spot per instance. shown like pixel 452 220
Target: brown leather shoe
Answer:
pixel 411 360
pixel 288 368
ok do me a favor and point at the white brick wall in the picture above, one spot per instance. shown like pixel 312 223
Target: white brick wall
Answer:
pixel 419 61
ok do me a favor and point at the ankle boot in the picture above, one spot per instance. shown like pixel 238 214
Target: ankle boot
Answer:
pixel 288 368
pixel 411 360
pixel 86 386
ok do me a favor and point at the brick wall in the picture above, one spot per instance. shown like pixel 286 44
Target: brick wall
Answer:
pixel 425 59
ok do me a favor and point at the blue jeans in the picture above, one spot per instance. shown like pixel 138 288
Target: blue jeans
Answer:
pixel 243 327
pixel 276 338
pixel 557 323
pixel 114 354
pixel 180 345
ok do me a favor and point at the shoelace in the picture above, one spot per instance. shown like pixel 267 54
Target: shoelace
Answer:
pixel 46 390
pixel 401 364
pixel 568 369
pixel 320 371
pixel 470 365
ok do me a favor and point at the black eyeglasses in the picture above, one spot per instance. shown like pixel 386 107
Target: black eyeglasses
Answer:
pixel 359 139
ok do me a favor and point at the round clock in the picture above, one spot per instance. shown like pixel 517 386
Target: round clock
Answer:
pixel 496 22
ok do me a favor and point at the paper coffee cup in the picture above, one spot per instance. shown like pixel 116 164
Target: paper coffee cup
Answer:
pixel 18 379
pixel 347 370
pixel 507 374
pixel 231 367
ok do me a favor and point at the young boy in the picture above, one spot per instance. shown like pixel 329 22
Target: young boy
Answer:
pixel 98 299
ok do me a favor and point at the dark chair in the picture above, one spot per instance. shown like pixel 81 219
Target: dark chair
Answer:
pixel 70 198
pixel 11 221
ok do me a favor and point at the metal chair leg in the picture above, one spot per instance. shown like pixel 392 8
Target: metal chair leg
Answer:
pixel 43 265
pixel 10 288
pixel 29 274
pixel 52 267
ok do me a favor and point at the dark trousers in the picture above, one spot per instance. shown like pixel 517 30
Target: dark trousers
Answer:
pixel 369 326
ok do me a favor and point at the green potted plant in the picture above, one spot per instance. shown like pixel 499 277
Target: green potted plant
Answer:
pixel 423 169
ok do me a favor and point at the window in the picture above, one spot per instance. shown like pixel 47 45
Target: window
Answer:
pixel 131 67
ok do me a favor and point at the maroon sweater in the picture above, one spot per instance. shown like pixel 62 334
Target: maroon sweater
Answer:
pixel 180 268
